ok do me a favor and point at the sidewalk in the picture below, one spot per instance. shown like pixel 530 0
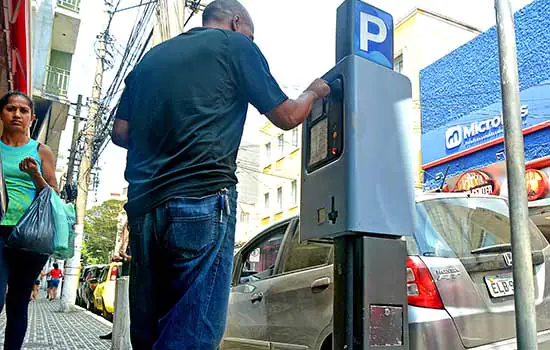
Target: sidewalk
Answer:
pixel 50 329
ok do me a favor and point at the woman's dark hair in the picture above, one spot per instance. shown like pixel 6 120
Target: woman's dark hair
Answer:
pixel 55 266
pixel 6 98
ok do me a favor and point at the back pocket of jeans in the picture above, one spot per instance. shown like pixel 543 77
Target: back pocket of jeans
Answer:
pixel 187 238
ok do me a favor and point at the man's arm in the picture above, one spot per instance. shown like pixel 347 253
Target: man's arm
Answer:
pixel 263 91
pixel 119 134
pixel 292 113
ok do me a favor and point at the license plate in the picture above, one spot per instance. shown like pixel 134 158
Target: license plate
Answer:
pixel 500 286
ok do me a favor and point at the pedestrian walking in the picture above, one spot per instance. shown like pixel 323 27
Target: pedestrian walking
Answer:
pixel 56 275
pixel 34 295
pixel 28 168
pixel 181 117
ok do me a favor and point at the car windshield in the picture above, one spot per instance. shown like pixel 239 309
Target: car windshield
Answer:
pixel 462 227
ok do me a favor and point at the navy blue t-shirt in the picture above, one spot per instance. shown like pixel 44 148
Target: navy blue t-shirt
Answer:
pixel 186 104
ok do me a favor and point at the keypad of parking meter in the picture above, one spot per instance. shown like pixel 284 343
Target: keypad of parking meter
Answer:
pixel 325 124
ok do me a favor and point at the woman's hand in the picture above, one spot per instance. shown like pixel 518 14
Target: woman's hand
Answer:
pixel 29 166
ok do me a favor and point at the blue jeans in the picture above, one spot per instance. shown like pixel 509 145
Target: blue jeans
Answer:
pixel 18 271
pixel 180 277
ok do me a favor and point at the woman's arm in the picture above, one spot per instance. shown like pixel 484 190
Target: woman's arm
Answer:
pixel 48 166
pixel 47 177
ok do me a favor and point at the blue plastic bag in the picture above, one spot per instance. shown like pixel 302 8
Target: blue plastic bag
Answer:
pixel 64 220
pixel 62 228
pixel 35 230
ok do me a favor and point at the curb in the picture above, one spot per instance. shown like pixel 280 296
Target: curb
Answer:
pixel 97 317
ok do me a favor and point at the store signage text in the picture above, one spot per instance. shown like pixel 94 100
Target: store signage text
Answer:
pixel 476 182
pixel 477 130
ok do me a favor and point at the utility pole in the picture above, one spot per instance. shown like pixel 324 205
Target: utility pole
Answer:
pixel 84 171
pixel 74 142
pixel 524 287
pixel 69 190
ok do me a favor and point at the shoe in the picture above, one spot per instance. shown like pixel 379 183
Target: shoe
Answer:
pixel 106 336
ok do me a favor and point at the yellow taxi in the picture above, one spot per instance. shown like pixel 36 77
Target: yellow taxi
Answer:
pixel 104 293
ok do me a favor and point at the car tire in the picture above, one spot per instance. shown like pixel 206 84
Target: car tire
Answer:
pixel 104 313
pixel 90 306
pixel 327 343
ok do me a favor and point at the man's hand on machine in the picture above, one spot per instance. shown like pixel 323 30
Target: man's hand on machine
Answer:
pixel 319 87
pixel 292 113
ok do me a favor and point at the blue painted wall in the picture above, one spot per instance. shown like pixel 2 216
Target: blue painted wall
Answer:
pixel 467 80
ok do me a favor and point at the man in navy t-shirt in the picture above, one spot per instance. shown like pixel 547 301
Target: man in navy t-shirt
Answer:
pixel 181 117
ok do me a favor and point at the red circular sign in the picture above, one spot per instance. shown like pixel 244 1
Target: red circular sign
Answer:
pixel 478 182
pixel 537 184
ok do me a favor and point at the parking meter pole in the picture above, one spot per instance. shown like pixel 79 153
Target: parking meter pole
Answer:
pixel 344 293
pixel 357 181
pixel 524 296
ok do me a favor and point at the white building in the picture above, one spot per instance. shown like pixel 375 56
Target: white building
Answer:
pixel 55 27
pixel 421 38
pixel 248 172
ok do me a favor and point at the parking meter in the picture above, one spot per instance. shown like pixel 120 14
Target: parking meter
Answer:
pixel 357 181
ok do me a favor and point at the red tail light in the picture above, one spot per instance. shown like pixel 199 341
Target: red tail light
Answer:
pixel 114 272
pixel 421 289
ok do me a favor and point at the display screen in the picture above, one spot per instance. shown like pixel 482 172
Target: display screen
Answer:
pixel 317 110
pixel 318 148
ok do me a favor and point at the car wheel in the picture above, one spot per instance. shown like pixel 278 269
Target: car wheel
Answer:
pixel 104 313
pixel 90 306
pixel 327 344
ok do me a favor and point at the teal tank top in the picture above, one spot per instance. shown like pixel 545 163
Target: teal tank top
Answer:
pixel 21 189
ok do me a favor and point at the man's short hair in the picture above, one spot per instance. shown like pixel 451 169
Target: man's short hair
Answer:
pixel 221 10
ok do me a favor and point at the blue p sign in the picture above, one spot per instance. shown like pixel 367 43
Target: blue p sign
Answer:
pixel 373 34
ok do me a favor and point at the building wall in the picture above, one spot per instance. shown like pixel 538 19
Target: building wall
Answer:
pixel 169 21
pixel 420 39
pixel 42 26
pixel 248 168
pixel 279 196
pixel 468 80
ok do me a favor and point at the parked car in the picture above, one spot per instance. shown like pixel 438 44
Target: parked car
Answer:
pixel 86 286
pixel 104 294
pixel 459 277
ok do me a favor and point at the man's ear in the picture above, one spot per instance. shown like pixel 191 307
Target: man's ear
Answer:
pixel 235 23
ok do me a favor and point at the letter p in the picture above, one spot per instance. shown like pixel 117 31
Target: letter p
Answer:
pixel 367 36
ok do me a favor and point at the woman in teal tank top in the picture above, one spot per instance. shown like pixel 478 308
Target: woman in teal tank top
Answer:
pixel 28 168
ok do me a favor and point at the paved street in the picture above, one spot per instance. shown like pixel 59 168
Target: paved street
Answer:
pixel 52 330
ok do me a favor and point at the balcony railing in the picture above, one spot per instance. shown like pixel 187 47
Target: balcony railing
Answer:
pixel 71 5
pixel 57 81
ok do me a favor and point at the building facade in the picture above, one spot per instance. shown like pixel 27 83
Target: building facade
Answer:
pixel 55 28
pixel 421 38
pixel 248 213
pixel 280 162
pixel 462 124
pixel 171 17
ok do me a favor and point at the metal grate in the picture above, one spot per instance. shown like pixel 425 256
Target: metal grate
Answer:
pixel 71 5
pixel 57 81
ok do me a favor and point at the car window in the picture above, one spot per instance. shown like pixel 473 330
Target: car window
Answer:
pixel 259 260
pixel 462 227
pixel 103 274
pixel 83 275
pixel 307 254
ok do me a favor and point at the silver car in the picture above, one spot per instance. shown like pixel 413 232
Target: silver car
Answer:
pixel 459 279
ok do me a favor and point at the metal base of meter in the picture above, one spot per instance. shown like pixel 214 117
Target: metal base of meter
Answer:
pixel 370 295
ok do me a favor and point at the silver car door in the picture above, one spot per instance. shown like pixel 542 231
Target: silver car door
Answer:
pixel 253 279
